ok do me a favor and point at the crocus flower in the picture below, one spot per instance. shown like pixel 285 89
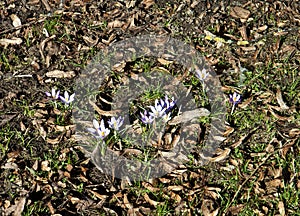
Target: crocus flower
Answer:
pixel 201 74
pixel 235 98
pixel 99 131
pixel 116 123
pixel 53 94
pixel 146 118
pixel 157 110
pixel 67 99
pixel 167 104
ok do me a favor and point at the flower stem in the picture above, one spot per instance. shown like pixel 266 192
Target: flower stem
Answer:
pixel 232 109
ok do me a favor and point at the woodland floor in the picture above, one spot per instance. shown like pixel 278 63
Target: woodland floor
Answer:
pixel 253 47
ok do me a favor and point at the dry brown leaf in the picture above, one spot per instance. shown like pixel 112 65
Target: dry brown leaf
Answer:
pixel 51 208
pixel 16 20
pixel 150 187
pixel 294 132
pixel 74 200
pixel 164 61
pixel 5 42
pixel 164 180
pixel 148 3
pixel 9 165
pixel 175 197
pixel 126 202
pixel 228 131
pixel 239 12
pixel 60 74
pixel 45 166
pixel 175 188
pixel 274 183
pixel 102 112
pixel 42 46
pixel 53 141
pixel 150 201
pixel 222 156
pixel 91 41
pixel 46 4
pixel 40 128
pixel 280 101
pixel 280 117
pixel 281 208
pixel 115 24
pixel 206 208
pixel 235 210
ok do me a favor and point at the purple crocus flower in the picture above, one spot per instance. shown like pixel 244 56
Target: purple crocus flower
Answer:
pixel 167 103
pixel 157 110
pixel 116 123
pixel 146 118
pixel 99 131
pixel 201 74
pixel 235 98
pixel 53 94
pixel 68 98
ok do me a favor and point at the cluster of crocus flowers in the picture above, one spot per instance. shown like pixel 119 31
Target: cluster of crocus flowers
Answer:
pixel 234 98
pixel 160 109
pixel 100 131
pixel 66 99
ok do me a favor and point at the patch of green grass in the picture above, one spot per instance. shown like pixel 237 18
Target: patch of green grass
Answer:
pixel 52 23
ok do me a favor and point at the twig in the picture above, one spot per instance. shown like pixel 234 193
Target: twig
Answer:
pixel 21 26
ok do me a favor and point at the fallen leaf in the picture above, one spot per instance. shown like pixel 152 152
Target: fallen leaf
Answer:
pixel 281 208
pixel 45 166
pixel 150 201
pixel 175 188
pixel 5 42
pixel 60 74
pixel 222 156
pixel 148 3
pixel 280 101
pixel 16 20
pixel 239 12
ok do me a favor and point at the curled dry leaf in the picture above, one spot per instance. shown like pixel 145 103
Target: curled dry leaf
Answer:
pixel 150 201
pixel 282 118
pixel 60 74
pixel 150 187
pixel 228 131
pixel 91 41
pixel 280 101
pixel 175 188
pixel 222 156
pixel 126 202
pixel 13 41
pixel 294 132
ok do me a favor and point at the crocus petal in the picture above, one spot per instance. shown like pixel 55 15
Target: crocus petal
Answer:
pixel 48 94
pixel 91 130
pixel 66 94
pixel 96 123
pixel 72 97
